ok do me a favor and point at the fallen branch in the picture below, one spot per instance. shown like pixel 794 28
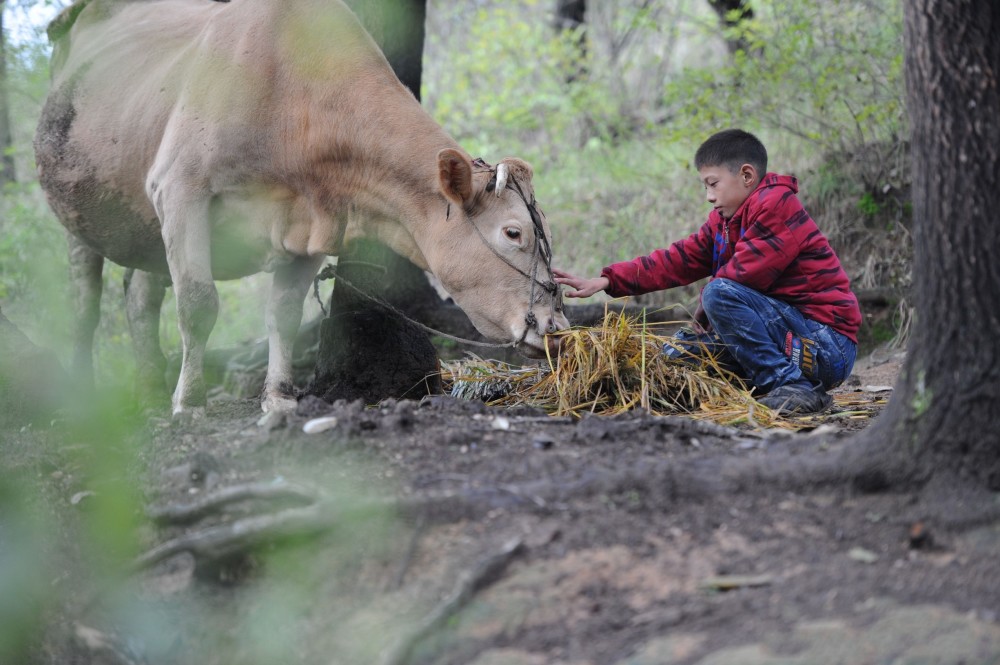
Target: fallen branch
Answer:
pixel 470 582
pixel 219 542
pixel 411 548
pixel 192 511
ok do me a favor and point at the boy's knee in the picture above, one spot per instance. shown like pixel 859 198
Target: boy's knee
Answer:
pixel 716 292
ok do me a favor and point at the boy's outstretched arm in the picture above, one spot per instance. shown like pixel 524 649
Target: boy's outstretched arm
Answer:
pixel 582 287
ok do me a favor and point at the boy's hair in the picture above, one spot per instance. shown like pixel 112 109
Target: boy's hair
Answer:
pixel 732 148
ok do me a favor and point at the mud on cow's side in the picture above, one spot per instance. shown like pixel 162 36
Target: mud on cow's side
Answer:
pixel 195 140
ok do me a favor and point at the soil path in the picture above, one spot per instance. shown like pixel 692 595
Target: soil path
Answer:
pixel 448 532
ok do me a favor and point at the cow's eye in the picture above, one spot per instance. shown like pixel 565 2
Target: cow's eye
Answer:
pixel 513 233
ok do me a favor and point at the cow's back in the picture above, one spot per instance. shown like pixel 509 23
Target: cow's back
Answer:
pixel 204 83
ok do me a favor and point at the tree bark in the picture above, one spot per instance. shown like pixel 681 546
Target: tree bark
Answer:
pixel 731 14
pixel 7 173
pixel 572 15
pixel 367 351
pixel 33 385
pixel 942 415
pixel 398 29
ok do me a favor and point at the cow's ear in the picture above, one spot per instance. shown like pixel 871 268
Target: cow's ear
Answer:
pixel 455 174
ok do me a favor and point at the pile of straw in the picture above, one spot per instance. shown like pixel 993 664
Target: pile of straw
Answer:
pixel 615 367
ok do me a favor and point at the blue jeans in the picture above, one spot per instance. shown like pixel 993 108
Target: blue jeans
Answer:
pixel 768 342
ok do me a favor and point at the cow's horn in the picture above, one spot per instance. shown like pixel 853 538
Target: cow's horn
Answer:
pixel 501 178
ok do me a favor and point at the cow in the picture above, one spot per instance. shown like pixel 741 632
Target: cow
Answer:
pixel 197 140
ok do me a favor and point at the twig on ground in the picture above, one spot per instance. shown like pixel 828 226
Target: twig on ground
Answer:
pixel 487 572
pixel 411 548
pixel 225 540
pixel 192 511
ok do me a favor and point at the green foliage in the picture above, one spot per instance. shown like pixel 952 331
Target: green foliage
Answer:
pixel 922 395
pixel 609 118
pixel 523 79
pixel 33 264
pixel 829 74
pixel 868 205
pixel 28 240
pixel 611 132
pixel 25 576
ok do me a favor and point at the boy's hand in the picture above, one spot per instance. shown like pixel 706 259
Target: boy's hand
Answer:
pixel 582 287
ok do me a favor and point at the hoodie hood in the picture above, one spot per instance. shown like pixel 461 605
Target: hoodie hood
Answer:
pixel 769 181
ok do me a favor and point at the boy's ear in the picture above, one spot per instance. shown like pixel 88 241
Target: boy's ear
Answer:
pixel 748 175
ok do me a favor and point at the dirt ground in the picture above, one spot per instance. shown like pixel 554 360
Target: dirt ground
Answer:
pixel 447 532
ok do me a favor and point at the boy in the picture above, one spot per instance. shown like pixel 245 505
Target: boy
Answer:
pixel 778 305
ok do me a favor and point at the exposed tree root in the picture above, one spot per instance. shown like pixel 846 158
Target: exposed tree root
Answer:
pixel 192 511
pixel 220 542
pixel 665 482
pixel 411 548
pixel 484 574
pixel 797 463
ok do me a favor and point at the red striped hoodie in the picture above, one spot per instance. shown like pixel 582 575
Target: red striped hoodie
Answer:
pixel 770 244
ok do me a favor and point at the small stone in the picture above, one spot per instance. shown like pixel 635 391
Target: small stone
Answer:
pixel 543 442
pixel 317 425
pixel 731 582
pixel 920 536
pixel 862 555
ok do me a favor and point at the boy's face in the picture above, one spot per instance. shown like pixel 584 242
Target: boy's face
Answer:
pixel 725 190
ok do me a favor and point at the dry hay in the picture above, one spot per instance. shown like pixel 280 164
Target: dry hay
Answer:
pixel 610 369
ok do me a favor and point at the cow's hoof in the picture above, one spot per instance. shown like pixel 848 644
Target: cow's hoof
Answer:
pixel 279 404
pixel 273 420
pixel 185 415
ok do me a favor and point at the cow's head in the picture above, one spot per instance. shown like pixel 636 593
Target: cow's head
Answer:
pixel 494 254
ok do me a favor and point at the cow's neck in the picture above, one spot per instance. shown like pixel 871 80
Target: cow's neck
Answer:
pixel 393 186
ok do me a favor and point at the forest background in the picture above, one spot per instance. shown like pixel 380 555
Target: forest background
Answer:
pixel 609 112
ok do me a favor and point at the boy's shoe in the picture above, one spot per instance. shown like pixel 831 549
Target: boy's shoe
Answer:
pixel 796 398
pixel 686 356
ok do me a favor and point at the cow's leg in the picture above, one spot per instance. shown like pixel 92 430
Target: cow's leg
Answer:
pixel 186 236
pixel 144 294
pixel 85 266
pixel 283 317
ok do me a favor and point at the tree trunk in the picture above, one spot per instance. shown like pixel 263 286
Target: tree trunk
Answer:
pixel 731 14
pixel 7 173
pixel 398 29
pixel 572 15
pixel 942 415
pixel 367 351
pixel 33 385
